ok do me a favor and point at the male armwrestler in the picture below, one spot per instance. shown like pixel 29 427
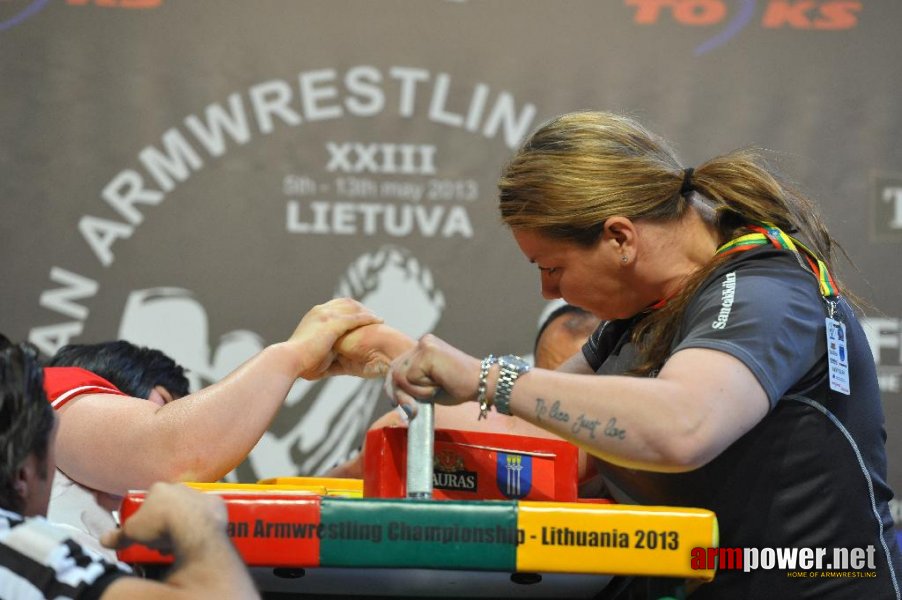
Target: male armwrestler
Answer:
pixel 38 560
pixel 136 371
pixel 109 442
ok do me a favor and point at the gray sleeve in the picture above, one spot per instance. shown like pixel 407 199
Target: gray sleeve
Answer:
pixel 768 314
pixel 591 349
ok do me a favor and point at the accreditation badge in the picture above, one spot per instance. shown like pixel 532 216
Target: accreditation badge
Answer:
pixel 837 357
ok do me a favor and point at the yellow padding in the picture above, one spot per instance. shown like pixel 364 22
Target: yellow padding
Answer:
pixel 612 538
pixel 244 487
pixel 326 486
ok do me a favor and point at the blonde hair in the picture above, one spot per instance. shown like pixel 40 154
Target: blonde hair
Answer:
pixel 581 168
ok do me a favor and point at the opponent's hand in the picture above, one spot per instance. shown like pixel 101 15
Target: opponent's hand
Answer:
pixel 368 351
pixel 173 518
pixel 432 370
pixel 318 331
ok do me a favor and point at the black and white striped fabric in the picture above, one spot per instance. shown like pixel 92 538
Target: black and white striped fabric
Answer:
pixel 39 560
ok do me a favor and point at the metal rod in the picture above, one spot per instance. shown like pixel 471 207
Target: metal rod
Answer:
pixel 420 451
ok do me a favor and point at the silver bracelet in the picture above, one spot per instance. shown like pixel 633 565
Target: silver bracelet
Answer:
pixel 481 397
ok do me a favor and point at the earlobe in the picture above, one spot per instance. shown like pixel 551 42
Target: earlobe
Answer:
pixel 158 395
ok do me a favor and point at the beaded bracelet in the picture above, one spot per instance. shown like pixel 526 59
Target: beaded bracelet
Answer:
pixel 481 396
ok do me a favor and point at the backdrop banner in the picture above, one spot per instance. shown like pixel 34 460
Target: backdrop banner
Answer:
pixel 194 176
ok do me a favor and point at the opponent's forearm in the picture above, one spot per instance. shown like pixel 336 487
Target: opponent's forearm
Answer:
pixel 214 429
pixel 113 444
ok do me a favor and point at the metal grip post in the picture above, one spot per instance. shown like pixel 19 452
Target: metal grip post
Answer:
pixel 420 451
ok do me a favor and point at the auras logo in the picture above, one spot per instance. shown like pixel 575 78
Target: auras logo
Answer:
pixel 736 15
pixel 14 12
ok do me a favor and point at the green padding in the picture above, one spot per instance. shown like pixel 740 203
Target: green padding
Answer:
pixel 418 533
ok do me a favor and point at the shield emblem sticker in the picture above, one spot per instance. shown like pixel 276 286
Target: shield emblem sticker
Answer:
pixel 514 475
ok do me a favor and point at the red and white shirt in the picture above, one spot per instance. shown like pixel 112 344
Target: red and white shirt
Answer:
pixel 64 383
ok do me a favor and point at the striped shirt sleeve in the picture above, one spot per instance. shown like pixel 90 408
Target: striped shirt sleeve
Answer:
pixel 39 560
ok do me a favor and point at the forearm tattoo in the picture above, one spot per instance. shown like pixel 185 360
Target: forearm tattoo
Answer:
pixel 545 413
pixel 611 430
pixel 583 423
pixel 554 413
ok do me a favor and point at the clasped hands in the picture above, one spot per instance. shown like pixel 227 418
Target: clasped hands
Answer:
pixel 428 369
pixel 360 344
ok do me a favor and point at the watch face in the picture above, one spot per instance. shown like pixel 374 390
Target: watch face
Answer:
pixel 514 361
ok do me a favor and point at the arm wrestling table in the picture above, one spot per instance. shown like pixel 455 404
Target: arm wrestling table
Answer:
pixel 377 537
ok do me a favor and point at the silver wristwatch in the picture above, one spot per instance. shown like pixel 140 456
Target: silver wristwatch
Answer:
pixel 510 367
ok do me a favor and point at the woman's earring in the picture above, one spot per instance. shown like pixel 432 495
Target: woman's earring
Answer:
pixel 623 259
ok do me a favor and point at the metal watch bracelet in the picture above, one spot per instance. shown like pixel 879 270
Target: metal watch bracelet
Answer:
pixel 510 367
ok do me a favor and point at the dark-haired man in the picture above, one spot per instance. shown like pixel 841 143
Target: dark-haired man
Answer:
pixel 110 442
pixel 38 560
pixel 136 371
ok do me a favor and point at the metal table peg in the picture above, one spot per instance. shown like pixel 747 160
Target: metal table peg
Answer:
pixel 420 451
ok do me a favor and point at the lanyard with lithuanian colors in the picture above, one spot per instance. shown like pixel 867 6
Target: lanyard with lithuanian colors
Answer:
pixel 837 356
pixel 770 234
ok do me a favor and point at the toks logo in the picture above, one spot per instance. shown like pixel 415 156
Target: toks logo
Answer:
pixel 19 11
pixel 13 13
pixel 777 14
pixel 118 3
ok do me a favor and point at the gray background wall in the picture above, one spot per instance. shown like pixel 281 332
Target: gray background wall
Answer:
pixel 195 175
